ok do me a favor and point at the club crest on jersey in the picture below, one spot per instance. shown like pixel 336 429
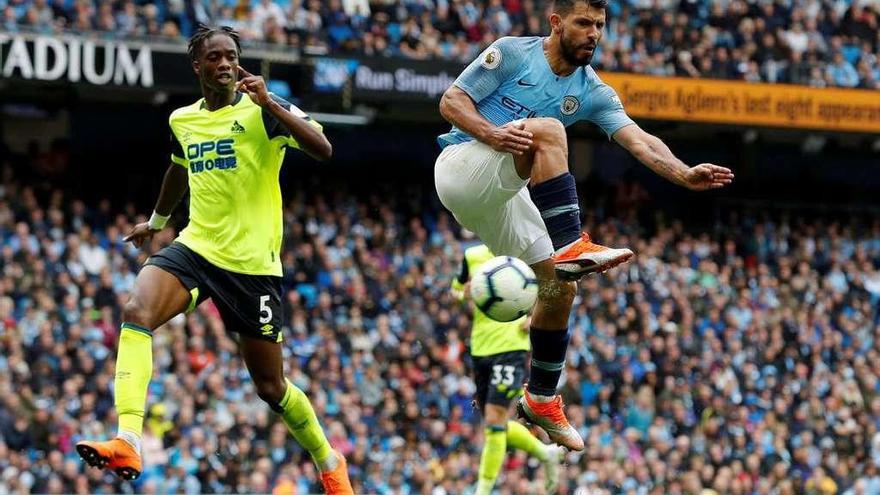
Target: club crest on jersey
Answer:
pixel 491 58
pixel 570 105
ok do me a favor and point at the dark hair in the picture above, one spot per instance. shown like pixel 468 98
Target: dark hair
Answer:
pixel 566 6
pixel 203 33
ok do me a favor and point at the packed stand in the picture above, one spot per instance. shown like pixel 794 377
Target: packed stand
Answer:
pixel 738 361
pixel 810 42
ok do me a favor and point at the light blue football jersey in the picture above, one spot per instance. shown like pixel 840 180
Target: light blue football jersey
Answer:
pixel 512 80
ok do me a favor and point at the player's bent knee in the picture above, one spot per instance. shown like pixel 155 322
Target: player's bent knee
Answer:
pixel 135 312
pixel 547 131
pixel 551 126
pixel 271 391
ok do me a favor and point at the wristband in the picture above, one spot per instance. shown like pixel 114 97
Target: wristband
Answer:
pixel 157 221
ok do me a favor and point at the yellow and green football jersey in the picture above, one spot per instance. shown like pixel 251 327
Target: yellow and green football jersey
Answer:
pixel 233 157
pixel 489 337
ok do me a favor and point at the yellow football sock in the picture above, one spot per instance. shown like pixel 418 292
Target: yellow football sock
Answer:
pixel 519 437
pixel 302 422
pixel 134 367
pixel 494 451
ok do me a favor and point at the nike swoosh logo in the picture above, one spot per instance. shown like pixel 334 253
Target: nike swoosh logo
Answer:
pixel 522 82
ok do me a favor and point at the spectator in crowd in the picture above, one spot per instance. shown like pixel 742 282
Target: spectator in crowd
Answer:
pixel 261 14
pixel 841 72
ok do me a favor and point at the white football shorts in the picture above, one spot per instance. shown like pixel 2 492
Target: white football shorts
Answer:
pixel 481 188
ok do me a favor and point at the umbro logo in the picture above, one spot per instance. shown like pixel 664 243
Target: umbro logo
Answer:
pixel 522 82
pixel 237 128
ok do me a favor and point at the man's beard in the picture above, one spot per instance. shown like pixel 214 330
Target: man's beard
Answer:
pixel 569 53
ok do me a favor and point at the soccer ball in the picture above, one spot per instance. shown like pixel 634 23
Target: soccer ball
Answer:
pixel 504 288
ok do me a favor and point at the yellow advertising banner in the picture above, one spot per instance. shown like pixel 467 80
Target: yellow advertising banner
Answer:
pixel 737 102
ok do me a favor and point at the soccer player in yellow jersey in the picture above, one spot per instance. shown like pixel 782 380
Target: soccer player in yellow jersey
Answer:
pixel 228 148
pixel 499 350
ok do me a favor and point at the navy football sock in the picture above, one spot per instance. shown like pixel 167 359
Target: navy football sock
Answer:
pixel 548 359
pixel 557 201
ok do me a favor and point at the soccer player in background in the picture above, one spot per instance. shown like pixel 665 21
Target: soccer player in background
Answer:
pixel 499 352
pixel 228 148
pixel 509 109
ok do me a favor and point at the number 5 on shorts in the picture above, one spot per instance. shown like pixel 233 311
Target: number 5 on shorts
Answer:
pixel 265 310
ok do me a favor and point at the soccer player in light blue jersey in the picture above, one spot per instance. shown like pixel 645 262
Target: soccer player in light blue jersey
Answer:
pixel 509 109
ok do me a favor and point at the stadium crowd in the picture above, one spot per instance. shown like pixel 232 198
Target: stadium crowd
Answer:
pixel 811 42
pixel 741 360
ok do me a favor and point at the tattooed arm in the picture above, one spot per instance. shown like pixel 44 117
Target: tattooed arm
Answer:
pixel 654 154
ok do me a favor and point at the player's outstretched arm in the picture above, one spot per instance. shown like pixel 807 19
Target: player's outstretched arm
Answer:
pixel 654 154
pixel 310 139
pixel 459 110
pixel 173 187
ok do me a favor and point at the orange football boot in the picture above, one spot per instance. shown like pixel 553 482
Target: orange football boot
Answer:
pixel 583 256
pixel 336 482
pixel 549 416
pixel 116 455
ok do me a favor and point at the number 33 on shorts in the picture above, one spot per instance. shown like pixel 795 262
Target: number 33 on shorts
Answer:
pixel 506 383
pixel 502 375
